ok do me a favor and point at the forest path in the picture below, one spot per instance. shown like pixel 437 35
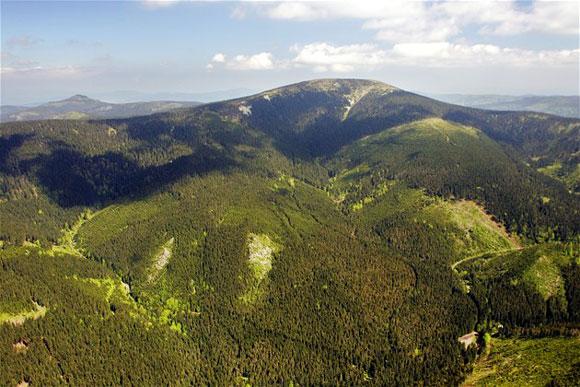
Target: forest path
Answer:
pixel 497 252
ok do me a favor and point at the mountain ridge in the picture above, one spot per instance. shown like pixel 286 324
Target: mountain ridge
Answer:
pixel 82 107
pixel 284 240
pixel 559 105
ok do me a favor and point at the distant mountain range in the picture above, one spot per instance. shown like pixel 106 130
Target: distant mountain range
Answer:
pixel 560 105
pixel 122 96
pixel 83 107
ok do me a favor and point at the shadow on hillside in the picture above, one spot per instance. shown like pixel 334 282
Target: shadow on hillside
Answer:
pixel 72 178
pixel 7 145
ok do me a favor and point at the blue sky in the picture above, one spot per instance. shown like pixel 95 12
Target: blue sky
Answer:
pixel 56 49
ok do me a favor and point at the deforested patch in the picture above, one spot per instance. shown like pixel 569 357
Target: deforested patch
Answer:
pixel 245 110
pixel 161 260
pixel 545 275
pixel 19 318
pixel 21 346
pixel 261 250
pixel 359 92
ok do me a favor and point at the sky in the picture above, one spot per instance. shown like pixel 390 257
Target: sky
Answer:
pixel 54 49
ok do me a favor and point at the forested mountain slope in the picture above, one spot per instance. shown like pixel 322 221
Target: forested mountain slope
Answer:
pixel 323 232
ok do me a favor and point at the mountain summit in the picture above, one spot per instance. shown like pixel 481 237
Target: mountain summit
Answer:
pixel 327 232
pixel 78 98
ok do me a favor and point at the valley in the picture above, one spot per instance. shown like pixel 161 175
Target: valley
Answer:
pixel 331 231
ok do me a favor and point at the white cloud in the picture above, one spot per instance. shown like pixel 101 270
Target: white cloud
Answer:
pixel 260 61
pixel 445 54
pixel 407 21
pixel 155 4
pixel 506 18
pixel 219 58
pixel 322 57
pixel 297 11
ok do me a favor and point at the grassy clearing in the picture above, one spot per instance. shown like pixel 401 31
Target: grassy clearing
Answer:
pixel 161 259
pixel 434 127
pixel 528 362
pixel 464 226
pixel 19 318
pixel 567 174
pixel 545 276
pixel 478 232
pixel 66 243
pixel 109 288
pixel 538 266
pixel 261 250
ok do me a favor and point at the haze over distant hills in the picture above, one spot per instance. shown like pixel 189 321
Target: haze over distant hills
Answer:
pixel 83 107
pixel 123 96
pixel 559 105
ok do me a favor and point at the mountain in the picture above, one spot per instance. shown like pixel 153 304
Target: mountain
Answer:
pixel 6 110
pixel 334 231
pixel 560 105
pixel 80 107
pixel 123 96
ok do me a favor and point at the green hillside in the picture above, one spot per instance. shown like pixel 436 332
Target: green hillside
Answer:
pixel 328 232
pixel 529 362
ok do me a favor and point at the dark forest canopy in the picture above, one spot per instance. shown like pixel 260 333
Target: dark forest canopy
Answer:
pixel 331 231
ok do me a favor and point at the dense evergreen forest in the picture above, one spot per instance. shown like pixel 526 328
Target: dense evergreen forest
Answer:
pixel 328 232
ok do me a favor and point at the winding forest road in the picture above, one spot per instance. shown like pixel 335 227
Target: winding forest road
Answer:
pixel 499 252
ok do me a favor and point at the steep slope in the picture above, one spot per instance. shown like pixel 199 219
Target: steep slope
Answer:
pixel 328 114
pixel 544 278
pixel 530 362
pixel 458 161
pixel 312 234
pixel 81 107
pixel 90 324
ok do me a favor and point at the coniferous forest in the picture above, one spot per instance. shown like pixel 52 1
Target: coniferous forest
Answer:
pixel 327 232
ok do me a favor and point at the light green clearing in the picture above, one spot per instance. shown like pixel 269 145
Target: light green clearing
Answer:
pixel 74 115
pixel 169 315
pixel 109 287
pixel 538 266
pixel 552 169
pixel 525 362
pixel 545 276
pixel 66 243
pixel 570 175
pixel 162 259
pixel 19 318
pixel 381 190
pixel 261 250
pixel 480 233
pixel 114 291
pixel 433 126
pixel 342 185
